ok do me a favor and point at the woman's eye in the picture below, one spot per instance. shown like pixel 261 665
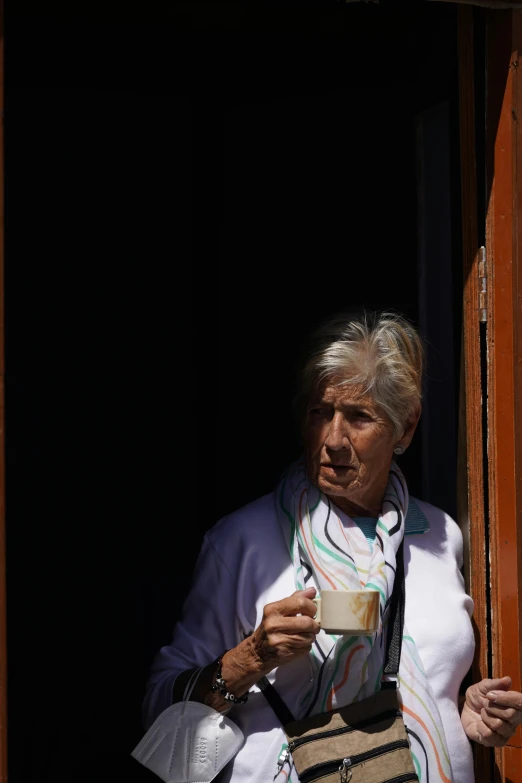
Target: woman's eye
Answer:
pixel 320 412
pixel 362 415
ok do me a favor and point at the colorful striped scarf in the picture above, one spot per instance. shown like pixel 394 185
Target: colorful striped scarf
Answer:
pixel 330 552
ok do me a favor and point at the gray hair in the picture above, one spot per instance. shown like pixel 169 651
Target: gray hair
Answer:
pixel 379 351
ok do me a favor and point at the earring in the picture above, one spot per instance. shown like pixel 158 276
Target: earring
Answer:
pixel 399 449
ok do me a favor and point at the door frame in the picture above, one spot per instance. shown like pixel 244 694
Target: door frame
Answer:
pixel 3 611
pixel 504 357
pixel 492 360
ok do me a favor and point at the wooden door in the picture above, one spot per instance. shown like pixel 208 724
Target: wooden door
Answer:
pixel 504 345
pixel 493 355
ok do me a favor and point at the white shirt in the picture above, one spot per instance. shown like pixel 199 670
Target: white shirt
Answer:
pixel 244 564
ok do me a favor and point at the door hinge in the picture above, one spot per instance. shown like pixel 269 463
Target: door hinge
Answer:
pixel 483 286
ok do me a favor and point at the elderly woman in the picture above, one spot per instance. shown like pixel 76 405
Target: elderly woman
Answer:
pixel 336 521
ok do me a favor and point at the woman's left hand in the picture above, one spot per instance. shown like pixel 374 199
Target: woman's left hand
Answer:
pixel 492 712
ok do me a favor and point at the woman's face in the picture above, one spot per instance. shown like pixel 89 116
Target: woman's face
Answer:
pixel 349 442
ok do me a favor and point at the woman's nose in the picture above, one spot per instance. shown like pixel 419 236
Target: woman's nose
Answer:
pixel 336 437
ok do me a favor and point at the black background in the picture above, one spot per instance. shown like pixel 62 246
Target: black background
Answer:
pixel 189 188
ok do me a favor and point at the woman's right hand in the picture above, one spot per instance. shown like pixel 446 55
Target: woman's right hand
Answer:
pixel 286 632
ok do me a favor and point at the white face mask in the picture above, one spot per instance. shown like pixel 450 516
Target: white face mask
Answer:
pixel 189 742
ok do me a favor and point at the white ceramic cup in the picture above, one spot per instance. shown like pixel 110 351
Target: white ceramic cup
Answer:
pixel 354 612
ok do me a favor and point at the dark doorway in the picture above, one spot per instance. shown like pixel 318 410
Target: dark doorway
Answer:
pixel 187 195
pixel 339 163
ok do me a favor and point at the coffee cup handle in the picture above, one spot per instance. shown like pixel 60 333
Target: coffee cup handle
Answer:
pixel 317 602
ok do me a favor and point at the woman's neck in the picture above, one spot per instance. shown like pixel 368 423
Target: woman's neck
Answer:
pixel 352 509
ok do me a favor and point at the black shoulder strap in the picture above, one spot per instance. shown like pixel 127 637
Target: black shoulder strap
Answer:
pixel 392 656
pixel 275 701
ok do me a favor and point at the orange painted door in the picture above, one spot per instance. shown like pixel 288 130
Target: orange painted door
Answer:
pixel 490 67
pixel 504 357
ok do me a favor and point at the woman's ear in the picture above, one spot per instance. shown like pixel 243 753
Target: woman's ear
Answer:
pixel 410 427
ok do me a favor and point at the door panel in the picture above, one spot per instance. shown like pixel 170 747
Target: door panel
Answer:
pixel 504 329
pixel 472 513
